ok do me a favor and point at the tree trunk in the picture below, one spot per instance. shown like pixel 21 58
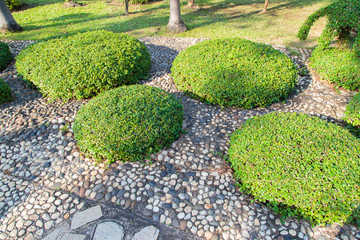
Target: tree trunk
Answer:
pixel 126 7
pixel 7 22
pixel 176 24
pixel 190 3
pixel 265 6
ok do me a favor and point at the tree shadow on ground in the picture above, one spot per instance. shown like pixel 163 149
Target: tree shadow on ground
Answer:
pixel 207 14
pixel 35 3
pixel 68 19
pixel 209 9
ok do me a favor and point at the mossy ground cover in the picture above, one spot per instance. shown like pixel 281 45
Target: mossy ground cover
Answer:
pixel 300 166
pixel 84 65
pixel 234 72
pixel 214 19
pixel 128 123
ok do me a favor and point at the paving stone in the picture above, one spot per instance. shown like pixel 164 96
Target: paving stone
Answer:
pixel 108 231
pixel 147 233
pixel 69 236
pixel 84 217
pixel 53 235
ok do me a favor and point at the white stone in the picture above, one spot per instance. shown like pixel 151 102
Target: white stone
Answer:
pixel 147 233
pixel 68 236
pixel 81 218
pixel 108 231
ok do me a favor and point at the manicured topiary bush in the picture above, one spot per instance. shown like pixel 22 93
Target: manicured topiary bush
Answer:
pixel 234 72
pixel 141 1
pixel 299 165
pixel 13 4
pixel 128 123
pixel 5 92
pixel 339 66
pixel 5 55
pixel 343 18
pixel 352 113
pixel 84 65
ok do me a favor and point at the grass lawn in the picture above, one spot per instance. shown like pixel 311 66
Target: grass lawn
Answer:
pixel 213 19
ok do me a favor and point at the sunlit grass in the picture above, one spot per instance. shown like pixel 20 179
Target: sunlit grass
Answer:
pixel 213 19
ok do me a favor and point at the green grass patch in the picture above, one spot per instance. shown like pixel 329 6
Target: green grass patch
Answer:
pixel 234 72
pixel 214 19
pixel 84 65
pixel 300 166
pixel 128 123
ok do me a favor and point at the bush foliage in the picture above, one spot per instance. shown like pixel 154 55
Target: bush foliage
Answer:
pixel 299 165
pixel 140 1
pixel 343 18
pixel 234 72
pixel 5 55
pixel 5 92
pixel 128 123
pixel 13 4
pixel 340 66
pixel 352 113
pixel 84 65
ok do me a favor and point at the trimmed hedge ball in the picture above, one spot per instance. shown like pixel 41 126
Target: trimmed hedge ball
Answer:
pixel 128 123
pixel 84 65
pixel 5 92
pixel 352 113
pixel 299 165
pixel 13 4
pixel 5 55
pixel 234 72
pixel 339 66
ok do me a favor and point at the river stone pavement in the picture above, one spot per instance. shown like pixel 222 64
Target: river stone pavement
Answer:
pixel 186 191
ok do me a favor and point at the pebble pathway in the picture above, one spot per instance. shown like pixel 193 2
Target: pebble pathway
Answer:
pixel 46 183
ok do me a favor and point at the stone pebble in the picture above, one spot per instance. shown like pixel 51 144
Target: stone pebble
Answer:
pixel 188 185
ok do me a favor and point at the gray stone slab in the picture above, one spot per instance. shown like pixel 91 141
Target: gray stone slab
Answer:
pixel 53 235
pixel 56 234
pixel 108 231
pixel 84 217
pixel 147 233
pixel 69 236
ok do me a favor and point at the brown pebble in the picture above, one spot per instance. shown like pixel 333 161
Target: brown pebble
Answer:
pixel 82 192
pixel 183 225
pixel 208 206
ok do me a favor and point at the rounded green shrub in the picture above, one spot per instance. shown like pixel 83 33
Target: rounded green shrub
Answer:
pixel 5 92
pixel 5 55
pixel 339 66
pixel 128 123
pixel 300 166
pixel 141 1
pixel 13 4
pixel 234 72
pixel 84 65
pixel 352 113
